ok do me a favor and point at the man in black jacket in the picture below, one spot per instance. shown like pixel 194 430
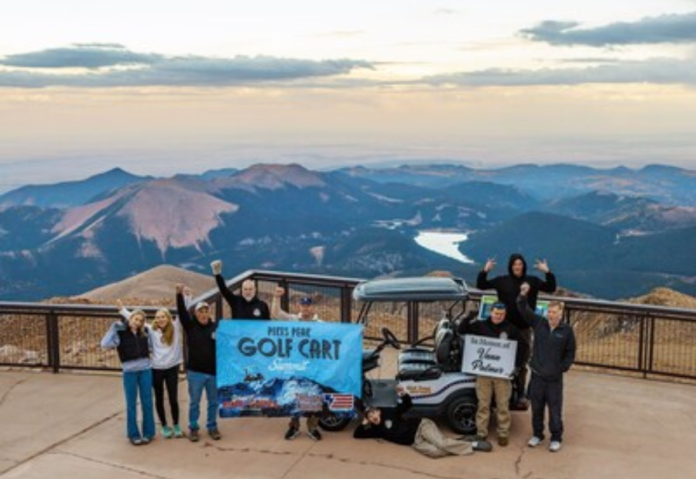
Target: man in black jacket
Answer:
pixel 498 327
pixel 243 306
pixel 507 288
pixel 421 434
pixel 554 353
pixel 200 364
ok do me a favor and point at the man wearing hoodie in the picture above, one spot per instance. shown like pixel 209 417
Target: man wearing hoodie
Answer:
pixel 243 306
pixel 507 288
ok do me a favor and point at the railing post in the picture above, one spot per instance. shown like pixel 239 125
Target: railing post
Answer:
pixel 285 299
pixel 346 304
pixel 641 347
pixel 53 341
pixel 651 343
pixel 412 311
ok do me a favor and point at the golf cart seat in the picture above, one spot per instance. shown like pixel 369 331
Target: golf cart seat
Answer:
pixel 424 370
pixel 370 360
pixel 422 354
pixel 419 371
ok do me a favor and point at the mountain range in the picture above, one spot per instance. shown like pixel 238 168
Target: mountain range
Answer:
pixel 609 233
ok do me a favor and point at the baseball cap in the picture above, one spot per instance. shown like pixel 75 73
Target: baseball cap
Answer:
pixel 202 305
pixel 498 305
pixel 306 300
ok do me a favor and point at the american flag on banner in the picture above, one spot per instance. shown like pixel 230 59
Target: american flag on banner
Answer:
pixel 339 402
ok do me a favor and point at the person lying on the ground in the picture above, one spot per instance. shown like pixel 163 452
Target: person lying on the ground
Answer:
pixel 420 433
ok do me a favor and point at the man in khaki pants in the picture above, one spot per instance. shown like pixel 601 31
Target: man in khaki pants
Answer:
pixel 487 387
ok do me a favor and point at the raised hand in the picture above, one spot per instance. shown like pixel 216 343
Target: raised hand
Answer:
pixel 119 303
pixel 188 292
pixel 524 289
pixel 490 264
pixel 216 266
pixel 542 265
pixel 179 288
pixel 279 291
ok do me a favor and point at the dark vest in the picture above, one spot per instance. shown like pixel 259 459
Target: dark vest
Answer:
pixel 132 346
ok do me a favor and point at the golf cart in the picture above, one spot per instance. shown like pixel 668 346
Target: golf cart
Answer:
pixel 430 374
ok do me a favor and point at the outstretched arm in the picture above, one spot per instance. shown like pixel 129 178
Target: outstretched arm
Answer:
pixel 222 285
pixel 182 309
pixel 549 284
pixel 276 311
pixel 123 311
pixel 528 316
pixel 111 339
pixel 482 281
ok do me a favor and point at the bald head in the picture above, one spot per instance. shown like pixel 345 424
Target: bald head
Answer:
pixel 248 289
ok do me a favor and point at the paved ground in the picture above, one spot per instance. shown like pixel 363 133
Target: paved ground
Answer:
pixel 72 426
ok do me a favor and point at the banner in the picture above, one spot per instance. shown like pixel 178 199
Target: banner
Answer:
pixel 489 356
pixel 274 368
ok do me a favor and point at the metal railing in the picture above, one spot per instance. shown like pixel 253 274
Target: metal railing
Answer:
pixel 649 341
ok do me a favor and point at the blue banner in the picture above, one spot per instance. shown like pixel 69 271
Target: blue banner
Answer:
pixel 274 368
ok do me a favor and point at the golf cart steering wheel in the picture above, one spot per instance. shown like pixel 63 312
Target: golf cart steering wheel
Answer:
pixel 390 339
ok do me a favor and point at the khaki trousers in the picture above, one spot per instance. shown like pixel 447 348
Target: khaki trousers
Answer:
pixel 486 388
pixel 431 442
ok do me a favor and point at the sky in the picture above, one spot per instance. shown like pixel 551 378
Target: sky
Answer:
pixel 160 87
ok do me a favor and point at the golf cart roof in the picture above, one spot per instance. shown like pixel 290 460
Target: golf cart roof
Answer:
pixel 412 289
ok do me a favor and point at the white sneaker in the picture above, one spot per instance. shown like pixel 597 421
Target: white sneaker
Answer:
pixel 534 441
pixel 555 446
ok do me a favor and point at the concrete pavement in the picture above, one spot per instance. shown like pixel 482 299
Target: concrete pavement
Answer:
pixel 72 425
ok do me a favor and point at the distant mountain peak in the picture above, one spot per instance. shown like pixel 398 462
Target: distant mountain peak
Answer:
pixel 276 176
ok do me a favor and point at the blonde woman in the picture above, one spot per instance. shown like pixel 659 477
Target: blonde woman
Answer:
pixel 131 339
pixel 167 356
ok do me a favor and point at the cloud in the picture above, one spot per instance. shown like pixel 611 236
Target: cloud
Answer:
pixel 446 11
pixel 672 28
pixel 81 55
pixel 657 71
pixel 136 69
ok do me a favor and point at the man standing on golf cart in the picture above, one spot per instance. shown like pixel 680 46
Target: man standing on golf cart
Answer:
pixel 495 326
pixel 507 287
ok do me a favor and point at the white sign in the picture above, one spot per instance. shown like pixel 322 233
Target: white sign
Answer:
pixel 489 356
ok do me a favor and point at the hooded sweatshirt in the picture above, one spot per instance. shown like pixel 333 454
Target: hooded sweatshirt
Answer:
pixel 508 287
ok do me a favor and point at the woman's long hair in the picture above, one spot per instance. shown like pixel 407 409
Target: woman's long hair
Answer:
pixel 168 329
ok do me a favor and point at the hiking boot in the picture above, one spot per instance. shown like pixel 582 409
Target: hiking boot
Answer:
pixel 194 436
pixel 314 435
pixel 291 433
pixel 178 433
pixel 214 434
pixel 555 446
pixel 473 438
pixel 482 446
pixel 167 432
pixel 503 441
pixel 535 441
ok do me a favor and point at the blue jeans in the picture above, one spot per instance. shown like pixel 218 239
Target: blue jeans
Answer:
pixel 197 382
pixel 134 384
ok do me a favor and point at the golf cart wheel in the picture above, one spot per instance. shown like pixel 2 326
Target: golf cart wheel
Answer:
pixel 461 415
pixel 333 423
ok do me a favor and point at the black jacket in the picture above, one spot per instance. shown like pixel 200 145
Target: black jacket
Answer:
pixel 486 328
pixel 200 340
pixel 508 287
pixel 554 351
pixel 394 426
pixel 132 346
pixel 241 308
